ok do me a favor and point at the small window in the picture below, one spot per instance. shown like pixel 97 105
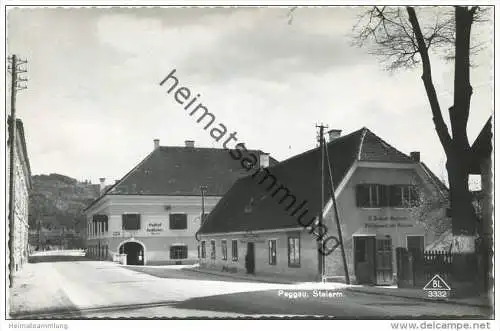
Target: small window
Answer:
pixel 224 249
pixel 178 252
pixel 272 252
pixel 212 249
pixel 234 249
pixel 371 195
pixel 403 196
pixel 199 251
pixel 131 221
pixel 203 250
pixel 178 221
pixel 294 251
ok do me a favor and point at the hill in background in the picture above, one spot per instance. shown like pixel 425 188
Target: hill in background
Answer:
pixel 57 202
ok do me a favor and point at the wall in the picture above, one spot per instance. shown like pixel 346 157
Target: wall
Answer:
pixel 308 254
pixel 397 223
pixel 21 187
pixel 154 233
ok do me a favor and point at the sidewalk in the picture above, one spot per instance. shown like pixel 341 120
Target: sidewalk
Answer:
pixel 408 293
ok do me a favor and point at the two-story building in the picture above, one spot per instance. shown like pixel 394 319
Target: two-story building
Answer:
pixel 21 182
pixel 153 213
pixel 266 223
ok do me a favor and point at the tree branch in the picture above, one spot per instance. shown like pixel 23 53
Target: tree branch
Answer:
pixel 437 116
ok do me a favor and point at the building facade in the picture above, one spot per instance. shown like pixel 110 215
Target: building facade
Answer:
pixel 154 212
pixel 267 223
pixel 22 186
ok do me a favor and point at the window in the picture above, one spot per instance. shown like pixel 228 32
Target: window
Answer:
pixel 198 248
pixel 224 249
pixel 272 252
pixel 178 252
pixel 234 249
pixel 203 250
pixel 131 221
pixel 403 196
pixel 212 249
pixel 294 251
pixel 178 221
pixel 371 195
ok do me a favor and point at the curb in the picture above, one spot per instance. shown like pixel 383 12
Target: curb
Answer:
pixel 236 276
pixel 418 298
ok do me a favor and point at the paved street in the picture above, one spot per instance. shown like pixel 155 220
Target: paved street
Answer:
pixel 89 289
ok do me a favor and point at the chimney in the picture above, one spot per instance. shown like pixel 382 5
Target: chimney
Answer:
pixel 415 156
pixel 157 143
pixel 264 160
pixel 189 143
pixel 334 134
pixel 102 184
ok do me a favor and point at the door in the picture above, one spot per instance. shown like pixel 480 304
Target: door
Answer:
pixel 250 258
pixel 383 263
pixel 364 259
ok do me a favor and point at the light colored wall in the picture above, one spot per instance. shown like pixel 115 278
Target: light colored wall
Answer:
pixel 152 210
pixel 21 211
pixel 308 254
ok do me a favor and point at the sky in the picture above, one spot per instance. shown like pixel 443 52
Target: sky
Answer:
pixel 94 104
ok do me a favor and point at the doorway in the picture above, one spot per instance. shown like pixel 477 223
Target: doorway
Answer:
pixel 383 261
pixel 134 251
pixel 364 259
pixel 250 258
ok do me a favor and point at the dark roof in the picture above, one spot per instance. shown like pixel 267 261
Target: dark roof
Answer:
pixel 20 131
pixel 481 148
pixel 249 205
pixel 179 171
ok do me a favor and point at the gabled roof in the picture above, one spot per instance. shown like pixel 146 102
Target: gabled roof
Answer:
pixel 482 147
pixel 248 205
pixel 179 171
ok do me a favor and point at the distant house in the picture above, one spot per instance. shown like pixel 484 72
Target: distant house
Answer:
pixel 153 213
pixel 481 165
pixel 258 227
pixel 22 186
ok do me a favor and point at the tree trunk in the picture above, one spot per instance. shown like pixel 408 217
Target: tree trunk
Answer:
pixel 464 219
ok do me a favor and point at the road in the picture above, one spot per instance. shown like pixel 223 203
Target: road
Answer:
pixel 93 289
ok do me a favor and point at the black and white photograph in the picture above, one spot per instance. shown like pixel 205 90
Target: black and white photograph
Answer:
pixel 169 162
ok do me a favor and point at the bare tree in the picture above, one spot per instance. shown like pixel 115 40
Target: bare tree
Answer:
pixel 396 35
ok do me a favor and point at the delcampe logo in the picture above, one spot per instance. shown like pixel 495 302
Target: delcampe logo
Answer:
pixel 437 288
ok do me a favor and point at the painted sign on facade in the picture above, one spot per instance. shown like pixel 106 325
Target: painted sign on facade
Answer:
pixel 154 228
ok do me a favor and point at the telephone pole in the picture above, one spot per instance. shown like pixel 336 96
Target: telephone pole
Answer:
pixel 16 85
pixel 322 259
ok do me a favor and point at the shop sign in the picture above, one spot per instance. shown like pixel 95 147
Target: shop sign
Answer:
pixel 154 228
pixel 116 233
pixel 388 225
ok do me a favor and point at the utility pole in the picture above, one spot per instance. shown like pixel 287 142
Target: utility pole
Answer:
pixel 337 216
pixel 320 217
pixel 15 86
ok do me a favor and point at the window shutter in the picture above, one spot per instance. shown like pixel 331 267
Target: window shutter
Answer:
pixel 383 195
pixel 362 195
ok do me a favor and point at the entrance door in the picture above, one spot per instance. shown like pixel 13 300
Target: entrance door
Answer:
pixel 364 259
pixel 135 253
pixel 383 262
pixel 250 258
